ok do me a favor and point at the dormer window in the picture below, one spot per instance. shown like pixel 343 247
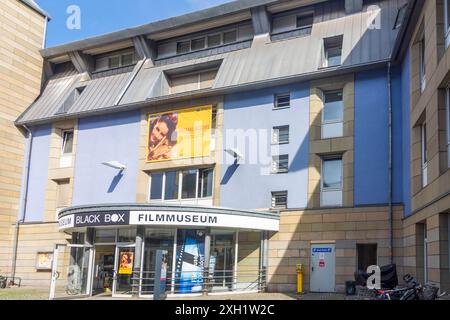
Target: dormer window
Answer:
pixel 332 49
pixel 74 95
pixel 230 36
pixel 305 21
pixel 214 40
pixel 117 60
pixel 198 44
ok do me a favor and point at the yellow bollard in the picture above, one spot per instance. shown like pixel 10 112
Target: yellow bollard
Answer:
pixel 300 278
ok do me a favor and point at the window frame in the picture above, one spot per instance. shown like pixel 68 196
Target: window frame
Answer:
pixel 328 190
pixel 64 141
pixel 326 57
pixel 276 103
pixel 276 137
pixel 447 120
pixel 401 13
pixel 179 176
pixel 446 23
pixel 274 194
pixel 327 123
pixel 424 154
pixel 422 64
pixel 302 15
pixel 278 169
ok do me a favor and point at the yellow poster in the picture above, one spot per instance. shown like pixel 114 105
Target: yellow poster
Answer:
pixel 126 262
pixel 179 134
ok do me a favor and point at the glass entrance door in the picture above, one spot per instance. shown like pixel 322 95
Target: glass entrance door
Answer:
pixel 123 271
pixel 71 271
pixel 222 262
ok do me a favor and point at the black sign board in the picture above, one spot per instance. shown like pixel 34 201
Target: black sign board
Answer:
pixel 116 218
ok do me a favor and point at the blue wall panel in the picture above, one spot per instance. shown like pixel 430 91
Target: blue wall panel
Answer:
pixel 103 139
pixel 249 184
pixel 38 174
pixel 371 138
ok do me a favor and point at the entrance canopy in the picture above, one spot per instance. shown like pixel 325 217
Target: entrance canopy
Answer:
pixel 166 215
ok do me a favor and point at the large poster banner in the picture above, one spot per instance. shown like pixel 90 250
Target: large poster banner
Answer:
pixel 179 134
pixel 190 260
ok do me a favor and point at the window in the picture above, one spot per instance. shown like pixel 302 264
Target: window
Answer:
pixel 156 186
pixel 181 185
pixel 183 47
pixel 332 52
pixel 333 115
pixel 115 60
pixel 127 59
pixel 422 64
pixel 189 184
pixel 214 40
pixel 280 164
pixel 280 135
pixel 400 16
pixel 191 81
pixel 447 22
pixel 198 44
pixel 423 132
pixel 447 107
pixel 69 102
pixel 171 185
pixel 282 100
pixel 305 21
pixel 331 182
pixel 229 36
pixel 67 146
pixel 206 183
pixel 367 256
pixel 279 199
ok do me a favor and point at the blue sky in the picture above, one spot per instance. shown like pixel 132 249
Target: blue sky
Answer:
pixel 103 16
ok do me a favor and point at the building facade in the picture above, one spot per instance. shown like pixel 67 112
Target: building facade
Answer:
pixel 233 144
pixel 22 34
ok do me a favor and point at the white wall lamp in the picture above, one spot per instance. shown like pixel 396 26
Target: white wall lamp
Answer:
pixel 236 154
pixel 115 164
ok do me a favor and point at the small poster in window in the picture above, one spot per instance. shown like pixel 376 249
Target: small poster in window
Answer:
pixel 126 262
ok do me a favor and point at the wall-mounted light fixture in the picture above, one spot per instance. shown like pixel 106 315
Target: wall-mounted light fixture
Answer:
pixel 115 164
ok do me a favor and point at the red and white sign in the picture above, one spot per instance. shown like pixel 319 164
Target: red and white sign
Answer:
pixel 322 264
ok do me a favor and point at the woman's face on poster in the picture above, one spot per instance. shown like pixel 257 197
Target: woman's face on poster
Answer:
pixel 159 132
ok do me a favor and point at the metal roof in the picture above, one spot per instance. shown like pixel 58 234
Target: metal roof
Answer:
pixel 257 63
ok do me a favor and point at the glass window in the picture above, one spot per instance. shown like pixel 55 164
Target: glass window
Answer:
pixel 422 64
pixel 214 40
pixel 282 100
pixel 305 21
pixel 171 187
pixel 67 147
pixel 447 102
pixel 279 199
pixel 447 19
pixel 400 16
pixel 333 107
pixel 127 59
pixel 126 235
pixel 280 164
pixel 183 47
pixel 280 135
pixel 206 183
pixel 198 44
pixel 333 56
pixel 114 62
pixel 156 186
pixel 332 174
pixel 424 144
pixel 189 187
pixel 229 36
pixel 105 235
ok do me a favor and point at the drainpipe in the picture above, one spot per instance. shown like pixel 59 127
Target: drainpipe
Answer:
pixel 23 200
pixel 391 215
